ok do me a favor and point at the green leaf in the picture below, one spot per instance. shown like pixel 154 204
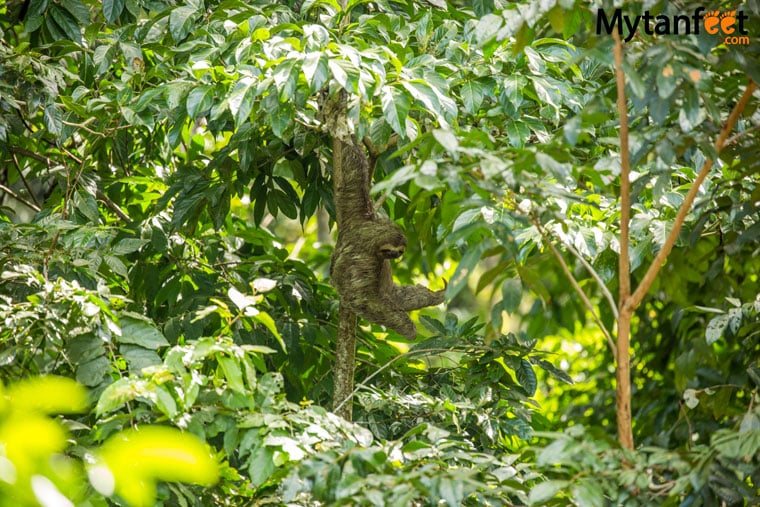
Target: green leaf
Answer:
pixel 556 17
pixel 422 91
pixel 261 465
pixel 115 395
pixel 547 94
pixel 552 370
pixel 128 245
pixel 416 445
pixel 285 78
pixel 464 270
pixel 452 491
pixel 472 95
pixel 92 373
pixel 573 20
pixel 344 73
pixel 448 139
pixel 572 129
pixel 53 119
pixel 666 81
pixel 87 206
pixel 482 7
pixel 281 118
pixel 333 5
pixel 66 23
pixel 115 264
pixel 232 373
pixel 181 22
pixel 33 23
pixel 395 105
pixel 545 491
pixel 511 293
pixel 141 332
pixel 268 321
pixel 37 7
pixel 715 328
pixel 517 132
pixel 199 101
pixel 138 357
pixel 112 9
pixel 487 28
pixel 77 10
pixel 527 377
pixel 241 99
pixel 164 401
pixel 103 57
pixel 588 492
pixel 85 348
pixel 315 69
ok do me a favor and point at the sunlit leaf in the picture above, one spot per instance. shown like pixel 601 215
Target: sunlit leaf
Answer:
pixel 545 491
pixel 48 395
pixel 315 69
pixel 395 108
pixel 138 459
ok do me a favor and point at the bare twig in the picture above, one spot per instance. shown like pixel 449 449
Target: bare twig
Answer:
pixel 50 163
pixel 30 154
pixel 23 179
pixel 741 134
pixel 112 206
pixel 20 199
pixel 377 372
pixel 595 275
pixel 565 269
pixel 84 127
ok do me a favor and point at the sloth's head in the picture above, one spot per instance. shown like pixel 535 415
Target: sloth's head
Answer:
pixel 391 251
pixel 394 243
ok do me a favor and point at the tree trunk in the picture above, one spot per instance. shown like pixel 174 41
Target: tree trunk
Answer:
pixel 351 193
pixel 629 301
pixel 343 373
pixel 623 370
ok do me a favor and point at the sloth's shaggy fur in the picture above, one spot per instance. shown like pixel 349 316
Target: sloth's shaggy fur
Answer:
pixel 360 267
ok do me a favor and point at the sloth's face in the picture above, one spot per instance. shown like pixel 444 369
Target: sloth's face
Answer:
pixel 389 251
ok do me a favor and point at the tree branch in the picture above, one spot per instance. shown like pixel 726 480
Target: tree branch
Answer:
pixel 603 287
pixel 50 162
pixel 741 134
pixel 20 199
pixel 565 269
pixel 23 179
pixel 345 364
pixel 112 206
pixel 346 177
pixel 625 171
pixel 659 260
pixel 377 372
pixel 623 367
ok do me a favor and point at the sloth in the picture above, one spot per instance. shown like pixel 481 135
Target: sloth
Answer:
pixel 360 267
pixel 361 273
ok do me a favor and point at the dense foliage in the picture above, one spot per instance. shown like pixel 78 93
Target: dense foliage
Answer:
pixel 165 217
